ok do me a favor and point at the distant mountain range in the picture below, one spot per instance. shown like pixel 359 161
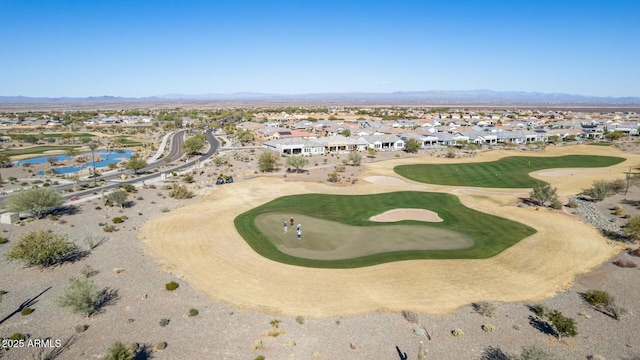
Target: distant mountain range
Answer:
pixel 432 97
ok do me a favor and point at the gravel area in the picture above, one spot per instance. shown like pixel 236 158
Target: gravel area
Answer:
pixel 223 331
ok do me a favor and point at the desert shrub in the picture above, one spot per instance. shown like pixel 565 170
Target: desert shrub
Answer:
pixel 171 286
pixel 3 240
pixel 564 326
pixel 139 198
pixel 180 192
pixel 599 190
pixel 109 228
pixel 618 185
pixel 118 351
pixel 300 320
pixel 161 345
pixel 543 193
pixel 487 328
pixel 556 205
pixel 117 220
pixel 193 312
pixel 259 357
pixel 118 197
pixel 494 353
pixel 457 333
pixel 625 263
pixel 18 336
pixel 38 200
pixel 129 188
pixel 98 208
pixel 484 308
pixel 80 328
pixel 632 228
pixel 333 177
pixel 539 310
pixel 615 311
pixel 598 298
pixel 275 323
pixel 26 311
pixel 81 296
pixel 164 322
pixel 42 248
pixel 188 179
pixel 164 209
pixel 410 316
pixel 533 352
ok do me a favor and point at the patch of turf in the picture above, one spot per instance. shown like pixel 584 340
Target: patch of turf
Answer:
pixel 36 149
pixel 491 234
pixel 508 172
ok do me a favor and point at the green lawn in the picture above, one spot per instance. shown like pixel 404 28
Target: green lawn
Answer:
pixel 508 172
pixel 491 234
pixel 36 149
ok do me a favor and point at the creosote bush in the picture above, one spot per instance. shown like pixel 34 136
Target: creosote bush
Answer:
pixel 300 320
pixel 171 286
pixel 164 322
pixel 118 351
pixel 457 333
pixel 180 192
pixel 598 298
pixel 193 312
pixel 42 248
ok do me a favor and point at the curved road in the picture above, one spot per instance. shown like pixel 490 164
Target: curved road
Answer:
pixel 174 153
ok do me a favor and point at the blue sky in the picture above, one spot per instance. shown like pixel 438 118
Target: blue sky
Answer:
pixel 144 48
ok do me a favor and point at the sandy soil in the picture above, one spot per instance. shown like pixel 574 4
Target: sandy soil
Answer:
pixel 407 214
pixel 228 331
pixel 216 259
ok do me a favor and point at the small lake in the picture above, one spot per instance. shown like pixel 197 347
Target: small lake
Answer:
pixel 106 157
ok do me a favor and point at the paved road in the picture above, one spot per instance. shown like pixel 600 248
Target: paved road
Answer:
pixel 175 153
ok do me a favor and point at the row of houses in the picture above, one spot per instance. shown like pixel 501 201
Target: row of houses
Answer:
pixel 311 145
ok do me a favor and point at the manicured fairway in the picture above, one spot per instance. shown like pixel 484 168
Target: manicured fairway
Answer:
pixel 508 172
pixel 490 234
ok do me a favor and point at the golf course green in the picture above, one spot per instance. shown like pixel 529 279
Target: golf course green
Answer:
pixel 508 172
pixel 331 222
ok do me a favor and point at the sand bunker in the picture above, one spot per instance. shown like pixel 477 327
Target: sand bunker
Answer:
pixel 569 172
pixel 407 214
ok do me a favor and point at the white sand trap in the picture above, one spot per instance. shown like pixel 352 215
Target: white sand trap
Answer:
pixel 407 214
pixel 386 181
pixel 569 172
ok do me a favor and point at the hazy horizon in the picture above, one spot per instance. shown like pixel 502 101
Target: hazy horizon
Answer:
pixel 145 49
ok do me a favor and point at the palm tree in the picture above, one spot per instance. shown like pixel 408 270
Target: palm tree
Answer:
pixel 93 146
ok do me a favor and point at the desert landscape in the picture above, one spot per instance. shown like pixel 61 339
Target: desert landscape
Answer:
pixel 249 306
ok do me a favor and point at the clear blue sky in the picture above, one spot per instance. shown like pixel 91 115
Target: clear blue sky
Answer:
pixel 143 48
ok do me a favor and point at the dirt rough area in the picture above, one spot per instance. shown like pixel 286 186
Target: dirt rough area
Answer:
pixel 325 314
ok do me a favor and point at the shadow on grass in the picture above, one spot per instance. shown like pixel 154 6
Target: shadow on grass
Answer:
pixel 27 303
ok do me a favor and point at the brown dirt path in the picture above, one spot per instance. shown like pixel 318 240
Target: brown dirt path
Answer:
pixel 200 242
